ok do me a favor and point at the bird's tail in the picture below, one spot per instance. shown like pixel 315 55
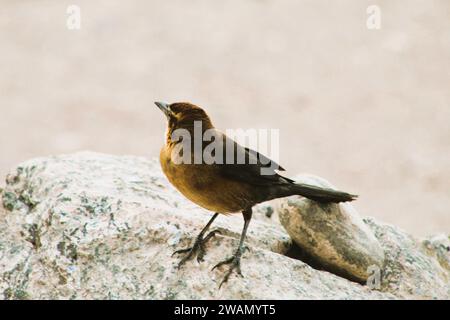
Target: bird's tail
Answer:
pixel 320 194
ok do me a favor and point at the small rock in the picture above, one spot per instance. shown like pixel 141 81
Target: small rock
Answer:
pixel 332 234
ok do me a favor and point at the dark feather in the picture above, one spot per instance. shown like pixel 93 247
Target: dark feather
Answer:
pixel 250 170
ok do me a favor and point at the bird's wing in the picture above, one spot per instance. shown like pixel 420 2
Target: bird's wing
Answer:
pixel 250 171
pixel 262 157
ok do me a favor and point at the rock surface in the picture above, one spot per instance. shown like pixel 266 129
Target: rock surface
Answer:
pixel 332 234
pixel 88 226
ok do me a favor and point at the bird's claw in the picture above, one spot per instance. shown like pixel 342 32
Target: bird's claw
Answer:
pixel 235 264
pixel 181 251
pixel 198 248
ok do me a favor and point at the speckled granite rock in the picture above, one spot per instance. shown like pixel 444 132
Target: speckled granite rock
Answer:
pixel 333 234
pixel 88 225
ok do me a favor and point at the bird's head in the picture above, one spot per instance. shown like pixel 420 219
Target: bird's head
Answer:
pixel 182 115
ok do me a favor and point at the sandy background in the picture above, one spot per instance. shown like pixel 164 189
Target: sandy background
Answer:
pixel 368 110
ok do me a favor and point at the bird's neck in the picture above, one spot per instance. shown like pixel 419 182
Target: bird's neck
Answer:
pixel 192 129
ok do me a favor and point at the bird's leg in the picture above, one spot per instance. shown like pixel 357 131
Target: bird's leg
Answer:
pixel 199 244
pixel 235 260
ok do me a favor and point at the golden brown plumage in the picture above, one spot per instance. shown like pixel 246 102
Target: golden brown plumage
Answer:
pixel 228 187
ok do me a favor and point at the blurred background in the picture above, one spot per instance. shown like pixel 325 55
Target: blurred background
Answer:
pixel 368 110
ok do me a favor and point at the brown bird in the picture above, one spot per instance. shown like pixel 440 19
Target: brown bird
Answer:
pixel 226 187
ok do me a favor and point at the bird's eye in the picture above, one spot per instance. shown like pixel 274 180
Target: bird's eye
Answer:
pixel 172 110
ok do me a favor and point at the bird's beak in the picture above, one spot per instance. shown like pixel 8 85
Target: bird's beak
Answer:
pixel 164 107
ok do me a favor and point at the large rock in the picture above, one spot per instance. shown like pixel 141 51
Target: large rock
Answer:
pixel 87 226
pixel 333 235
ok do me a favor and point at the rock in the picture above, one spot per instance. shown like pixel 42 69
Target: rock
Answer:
pixel 333 235
pixel 415 269
pixel 94 226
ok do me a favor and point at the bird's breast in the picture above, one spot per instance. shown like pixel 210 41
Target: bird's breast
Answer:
pixel 203 185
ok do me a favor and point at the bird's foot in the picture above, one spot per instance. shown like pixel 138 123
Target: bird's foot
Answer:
pixel 235 264
pixel 197 249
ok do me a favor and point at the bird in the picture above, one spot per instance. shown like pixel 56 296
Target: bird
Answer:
pixel 224 187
